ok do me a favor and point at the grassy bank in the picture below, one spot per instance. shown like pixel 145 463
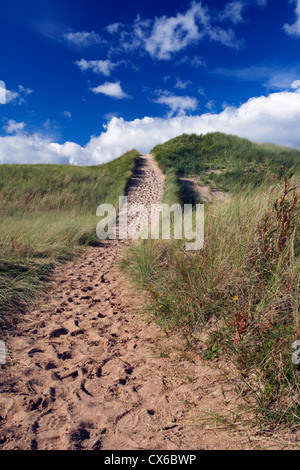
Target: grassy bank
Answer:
pixel 242 289
pixel 245 162
pixel 48 213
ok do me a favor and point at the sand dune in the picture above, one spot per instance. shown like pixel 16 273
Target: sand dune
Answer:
pixel 88 370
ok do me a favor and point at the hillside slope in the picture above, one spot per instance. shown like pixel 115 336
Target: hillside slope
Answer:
pixel 48 213
pixel 244 161
pixel 237 298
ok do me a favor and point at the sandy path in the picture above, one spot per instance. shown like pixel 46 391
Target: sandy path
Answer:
pixel 205 192
pixel 88 371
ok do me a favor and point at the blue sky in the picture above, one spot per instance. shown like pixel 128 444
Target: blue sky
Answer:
pixel 87 80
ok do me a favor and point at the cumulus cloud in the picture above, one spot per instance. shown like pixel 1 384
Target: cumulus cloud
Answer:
pixel 274 118
pixel 114 27
pixel 31 149
pixel 18 97
pixel 114 90
pixel 164 36
pixel 83 38
pixel 296 85
pixel 177 104
pixel 172 34
pixel 294 29
pixel 233 12
pixel 98 66
pixel 14 127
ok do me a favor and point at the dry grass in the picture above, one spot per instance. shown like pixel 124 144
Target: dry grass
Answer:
pixel 48 214
pixel 242 288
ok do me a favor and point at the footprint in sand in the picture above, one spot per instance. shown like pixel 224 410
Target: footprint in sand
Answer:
pixel 101 386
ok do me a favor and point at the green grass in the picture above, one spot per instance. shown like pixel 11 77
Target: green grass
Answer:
pixel 245 162
pixel 243 288
pixel 48 214
pixel 175 192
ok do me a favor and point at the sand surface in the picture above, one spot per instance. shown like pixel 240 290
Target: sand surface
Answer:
pixel 89 370
pixel 203 190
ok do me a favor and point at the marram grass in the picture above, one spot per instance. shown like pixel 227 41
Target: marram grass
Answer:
pixel 243 287
pixel 48 214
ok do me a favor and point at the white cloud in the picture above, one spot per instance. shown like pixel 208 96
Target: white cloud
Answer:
pixel 233 12
pixel 224 36
pixel 67 114
pixel 182 85
pixel 98 66
pixel 172 34
pixel 114 27
pixel 14 127
pixel 294 29
pixel 210 105
pixel 18 97
pixel 22 148
pixel 110 115
pixel 83 38
pixel 296 85
pixel 177 104
pixel 114 90
pixel 165 36
pixel 274 118
pixel 196 61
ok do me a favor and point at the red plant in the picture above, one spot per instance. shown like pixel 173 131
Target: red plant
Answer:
pixel 277 226
pixel 18 247
pixel 240 324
